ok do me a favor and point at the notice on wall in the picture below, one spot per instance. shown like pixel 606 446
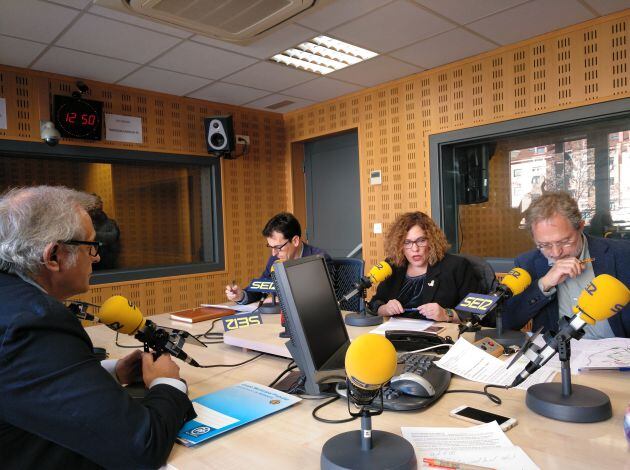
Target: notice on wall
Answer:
pixel 3 113
pixel 123 128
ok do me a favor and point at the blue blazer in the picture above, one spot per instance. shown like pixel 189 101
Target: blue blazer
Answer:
pixel 611 257
pixel 58 407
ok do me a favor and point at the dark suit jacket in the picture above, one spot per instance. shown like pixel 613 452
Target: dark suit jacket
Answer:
pixel 446 283
pixel 58 407
pixel 308 250
pixel 611 257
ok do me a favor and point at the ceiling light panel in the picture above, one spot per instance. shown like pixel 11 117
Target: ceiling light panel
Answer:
pixel 323 55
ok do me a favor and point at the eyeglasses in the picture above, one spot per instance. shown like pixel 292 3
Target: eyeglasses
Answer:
pixel 560 245
pixel 420 243
pixel 278 247
pixel 94 246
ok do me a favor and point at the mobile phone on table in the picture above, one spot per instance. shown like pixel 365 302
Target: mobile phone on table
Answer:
pixel 477 416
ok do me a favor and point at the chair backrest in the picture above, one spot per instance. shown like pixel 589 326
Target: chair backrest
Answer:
pixel 345 273
pixel 484 272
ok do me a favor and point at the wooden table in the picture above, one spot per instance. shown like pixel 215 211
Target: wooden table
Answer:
pixel 292 439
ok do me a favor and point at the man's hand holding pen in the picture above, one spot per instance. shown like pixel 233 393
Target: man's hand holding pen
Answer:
pixel 233 292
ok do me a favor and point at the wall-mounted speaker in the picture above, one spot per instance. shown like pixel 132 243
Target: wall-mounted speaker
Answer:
pixel 220 135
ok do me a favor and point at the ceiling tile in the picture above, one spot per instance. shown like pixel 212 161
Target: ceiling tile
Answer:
pixel 138 21
pixel 321 89
pixel 375 71
pixel 30 19
pixel 18 52
pixel 444 48
pixel 117 40
pixel 205 61
pixel 164 81
pixel 277 41
pixel 268 76
pixel 273 99
pixel 396 25
pixel 474 10
pixel 228 93
pixel 78 4
pixel 82 65
pixel 333 14
pixel 540 16
pixel 604 7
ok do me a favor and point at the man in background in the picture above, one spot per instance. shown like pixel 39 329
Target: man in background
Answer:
pixel 108 233
pixel 283 234
pixel 564 262
pixel 60 407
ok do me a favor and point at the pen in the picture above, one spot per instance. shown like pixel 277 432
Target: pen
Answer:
pixel 435 463
pixel 587 260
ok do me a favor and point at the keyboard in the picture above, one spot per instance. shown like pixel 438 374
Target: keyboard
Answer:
pixel 421 364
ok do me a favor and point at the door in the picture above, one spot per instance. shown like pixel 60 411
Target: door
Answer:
pixel 333 206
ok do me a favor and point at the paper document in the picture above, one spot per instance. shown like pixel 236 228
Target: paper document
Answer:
pixel 232 407
pixel 237 308
pixel 594 354
pixel 472 363
pixel 485 445
pixel 408 324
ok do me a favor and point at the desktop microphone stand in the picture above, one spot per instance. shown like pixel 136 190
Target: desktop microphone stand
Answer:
pixel 367 449
pixel 361 318
pixel 567 402
pixel 505 338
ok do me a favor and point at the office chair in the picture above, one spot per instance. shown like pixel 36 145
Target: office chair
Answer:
pixel 484 272
pixel 345 273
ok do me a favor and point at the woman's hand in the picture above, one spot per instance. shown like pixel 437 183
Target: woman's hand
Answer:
pixel 391 308
pixel 433 311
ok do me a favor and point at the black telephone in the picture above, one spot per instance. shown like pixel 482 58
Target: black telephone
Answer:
pixel 404 340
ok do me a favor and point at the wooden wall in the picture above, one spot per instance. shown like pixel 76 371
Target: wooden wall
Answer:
pixel 254 186
pixel 575 66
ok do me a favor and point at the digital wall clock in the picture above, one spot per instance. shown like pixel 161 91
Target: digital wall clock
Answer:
pixel 78 118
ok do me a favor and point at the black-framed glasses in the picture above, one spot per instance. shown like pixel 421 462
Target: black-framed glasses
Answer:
pixel 94 246
pixel 420 243
pixel 278 247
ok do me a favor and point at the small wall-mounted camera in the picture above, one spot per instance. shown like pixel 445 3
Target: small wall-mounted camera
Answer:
pixel 49 133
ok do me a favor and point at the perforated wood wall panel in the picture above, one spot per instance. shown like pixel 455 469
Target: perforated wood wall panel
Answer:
pixel 254 186
pixel 576 66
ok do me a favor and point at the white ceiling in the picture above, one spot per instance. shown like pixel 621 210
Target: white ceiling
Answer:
pixel 84 40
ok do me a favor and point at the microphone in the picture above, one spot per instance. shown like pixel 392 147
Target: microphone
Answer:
pixel 122 316
pixel 602 298
pixel 513 283
pixel 371 361
pixel 378 273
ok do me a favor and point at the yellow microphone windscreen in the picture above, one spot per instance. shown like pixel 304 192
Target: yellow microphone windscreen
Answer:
pixel 602 298
pixel 517 280
pixel 121 315
pixel 380 272
pixel 370 361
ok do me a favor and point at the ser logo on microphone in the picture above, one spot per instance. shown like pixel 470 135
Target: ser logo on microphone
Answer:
pixel 477 303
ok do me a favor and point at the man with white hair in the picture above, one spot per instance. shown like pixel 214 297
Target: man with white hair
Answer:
pixel 60 407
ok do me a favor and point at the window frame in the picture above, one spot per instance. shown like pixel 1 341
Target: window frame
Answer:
pixel 211 194
pixel 441 151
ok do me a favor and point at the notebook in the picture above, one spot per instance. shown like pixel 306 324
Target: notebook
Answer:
pixel 201 314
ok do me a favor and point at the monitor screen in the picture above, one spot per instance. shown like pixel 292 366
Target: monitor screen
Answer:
pixel 319 339
pixel 317 309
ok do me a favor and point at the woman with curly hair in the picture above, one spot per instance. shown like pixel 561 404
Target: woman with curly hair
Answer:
pixel 427 282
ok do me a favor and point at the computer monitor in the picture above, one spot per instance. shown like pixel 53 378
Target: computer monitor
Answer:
pixel 318 335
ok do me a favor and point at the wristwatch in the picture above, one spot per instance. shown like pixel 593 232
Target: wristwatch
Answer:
pixel 450 313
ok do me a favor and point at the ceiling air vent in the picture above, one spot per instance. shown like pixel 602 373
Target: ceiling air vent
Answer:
pixel 279 104
pixel 229 20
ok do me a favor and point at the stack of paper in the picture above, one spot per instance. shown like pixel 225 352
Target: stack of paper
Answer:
pixel 485 445
pixel 472 363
